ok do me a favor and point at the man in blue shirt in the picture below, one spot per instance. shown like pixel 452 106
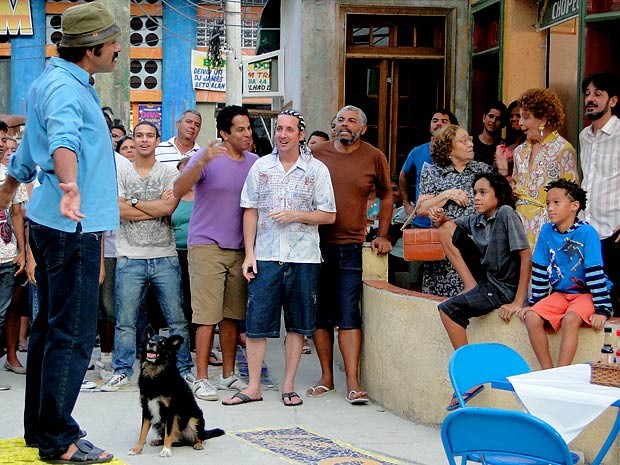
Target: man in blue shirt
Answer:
pixel 414 164
pixel 67 137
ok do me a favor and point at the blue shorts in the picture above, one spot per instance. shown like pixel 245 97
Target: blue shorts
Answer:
pixel 482 299
pixel 277 285
pixel 340 287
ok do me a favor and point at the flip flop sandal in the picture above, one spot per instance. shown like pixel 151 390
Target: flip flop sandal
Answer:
pixel 244 399
pixel 312 391
pixel 466 398
pixel 217 362
pixel 356 400
pixel 86 453
pixel 290 396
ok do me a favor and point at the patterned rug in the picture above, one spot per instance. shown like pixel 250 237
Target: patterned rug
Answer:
pixel 302 447
pixel 14 451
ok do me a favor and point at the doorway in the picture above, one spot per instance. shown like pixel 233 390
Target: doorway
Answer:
pixel 395 72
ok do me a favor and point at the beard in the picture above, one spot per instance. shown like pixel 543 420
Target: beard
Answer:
pixel 347 142
pixel 595 115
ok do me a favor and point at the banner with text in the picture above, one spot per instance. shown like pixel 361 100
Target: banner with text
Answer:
pixel 205 76
pixel 259 76
pixel 16 18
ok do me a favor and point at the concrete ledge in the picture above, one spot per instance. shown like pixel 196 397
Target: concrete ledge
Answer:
pixel 406 352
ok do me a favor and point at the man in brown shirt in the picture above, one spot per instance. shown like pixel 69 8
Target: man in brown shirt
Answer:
pixel 356 168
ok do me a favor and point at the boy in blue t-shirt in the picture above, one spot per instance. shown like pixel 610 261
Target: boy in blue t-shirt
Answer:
pixel 567 258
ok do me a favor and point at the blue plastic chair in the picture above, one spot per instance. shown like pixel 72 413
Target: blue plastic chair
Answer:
pixel 508 436
pixel 476 364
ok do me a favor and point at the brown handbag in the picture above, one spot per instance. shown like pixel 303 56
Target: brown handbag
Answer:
pixel 421 244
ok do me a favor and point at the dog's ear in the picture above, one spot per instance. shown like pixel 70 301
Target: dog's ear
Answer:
pixel 150 332
pixel 175 341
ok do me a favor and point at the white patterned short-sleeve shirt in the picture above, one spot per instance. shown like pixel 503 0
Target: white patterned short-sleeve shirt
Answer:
pixel 305 187
pixel 8 241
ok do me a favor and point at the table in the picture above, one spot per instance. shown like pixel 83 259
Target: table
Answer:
pixel 564 398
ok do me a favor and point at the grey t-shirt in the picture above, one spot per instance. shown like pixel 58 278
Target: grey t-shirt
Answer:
pixel 498 238
pixel 146 238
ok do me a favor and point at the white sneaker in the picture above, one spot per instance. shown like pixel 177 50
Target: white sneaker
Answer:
pixel 189 379
pixel 87 385
pixel 115 382
pixel 232 383
pixel 204 390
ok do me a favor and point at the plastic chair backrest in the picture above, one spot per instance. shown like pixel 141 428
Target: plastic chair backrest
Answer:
pixel 475 364
pixel 502 433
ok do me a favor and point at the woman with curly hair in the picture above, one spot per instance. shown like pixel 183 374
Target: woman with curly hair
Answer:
pixel 447 183
pixel 544 157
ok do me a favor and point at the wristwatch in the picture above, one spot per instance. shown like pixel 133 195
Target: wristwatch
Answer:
pixel 134 202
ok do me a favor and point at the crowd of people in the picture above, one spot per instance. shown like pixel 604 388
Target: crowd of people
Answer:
pixel 219 237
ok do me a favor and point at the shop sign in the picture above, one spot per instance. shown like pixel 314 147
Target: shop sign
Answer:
pixel 259 76
pixel 553 12
pixel 150 112
pixel 206 76
pixel 16 18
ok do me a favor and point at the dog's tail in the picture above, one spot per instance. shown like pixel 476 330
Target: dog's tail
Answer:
pixel 211 433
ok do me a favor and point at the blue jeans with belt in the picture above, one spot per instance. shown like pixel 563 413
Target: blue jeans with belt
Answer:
pixel 133 275
pixel 62 334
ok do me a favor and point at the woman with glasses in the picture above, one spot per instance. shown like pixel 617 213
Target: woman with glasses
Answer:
pixel 448 183
pixel 545 156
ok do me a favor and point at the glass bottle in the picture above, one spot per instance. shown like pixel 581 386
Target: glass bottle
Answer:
pixel 607 351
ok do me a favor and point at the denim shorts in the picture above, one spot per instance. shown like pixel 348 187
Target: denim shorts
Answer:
pixel 482 299
pixel 340 287
pixel 292 286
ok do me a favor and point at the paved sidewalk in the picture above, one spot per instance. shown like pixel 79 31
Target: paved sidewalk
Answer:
pixel 113 422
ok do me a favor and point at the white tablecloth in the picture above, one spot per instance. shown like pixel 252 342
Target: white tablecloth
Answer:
pixel 564 397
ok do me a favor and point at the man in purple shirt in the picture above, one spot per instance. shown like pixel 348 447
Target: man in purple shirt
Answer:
pixel 215 245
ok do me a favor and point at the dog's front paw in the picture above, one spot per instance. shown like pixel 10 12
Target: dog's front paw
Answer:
pixel 198 445
pixel 135 451
pixel 165 452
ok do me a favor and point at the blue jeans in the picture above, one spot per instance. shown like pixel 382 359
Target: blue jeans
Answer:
pixel 7 281
pixel 288 286
pixel 62 334
pixel 132 278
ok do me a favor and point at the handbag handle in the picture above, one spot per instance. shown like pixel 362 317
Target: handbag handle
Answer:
pixel 409 218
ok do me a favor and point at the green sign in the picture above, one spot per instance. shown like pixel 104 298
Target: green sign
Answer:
pixel 552 12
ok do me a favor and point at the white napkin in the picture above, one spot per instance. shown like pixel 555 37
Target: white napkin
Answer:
pixel 564 397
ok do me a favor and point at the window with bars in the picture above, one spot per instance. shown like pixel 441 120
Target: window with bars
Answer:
pixel 249 33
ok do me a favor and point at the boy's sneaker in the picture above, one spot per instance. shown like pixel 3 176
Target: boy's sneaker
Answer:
pixel 204 390
pixel 115 382
pixel 87 385
pixel 232 383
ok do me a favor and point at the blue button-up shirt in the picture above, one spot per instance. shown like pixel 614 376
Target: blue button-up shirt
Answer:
pixel 63 110
pixel 306 186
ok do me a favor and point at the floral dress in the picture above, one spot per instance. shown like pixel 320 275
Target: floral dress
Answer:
pixel 439 277
pixel 556 159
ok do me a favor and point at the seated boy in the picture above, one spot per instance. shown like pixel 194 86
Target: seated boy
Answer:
pixel 490 252
pixel 568 258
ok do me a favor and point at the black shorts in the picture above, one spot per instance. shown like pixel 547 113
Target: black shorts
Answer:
pixel 482 299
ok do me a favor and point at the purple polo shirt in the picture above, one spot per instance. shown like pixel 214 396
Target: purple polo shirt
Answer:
pixel 217 217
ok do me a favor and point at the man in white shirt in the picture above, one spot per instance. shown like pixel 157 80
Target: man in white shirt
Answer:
pixel 286 195
pixel 600 162
pixel 184 143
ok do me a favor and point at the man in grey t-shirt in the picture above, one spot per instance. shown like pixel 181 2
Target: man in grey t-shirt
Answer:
pixel 146 255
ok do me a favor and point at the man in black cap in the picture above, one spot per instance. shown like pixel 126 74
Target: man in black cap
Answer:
pixel 66 135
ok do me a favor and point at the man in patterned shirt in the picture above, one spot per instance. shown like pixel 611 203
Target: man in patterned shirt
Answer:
pixel 147 255
pixel 600 162
pixel 286 196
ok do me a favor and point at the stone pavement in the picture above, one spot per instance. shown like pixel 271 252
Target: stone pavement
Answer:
pixel 322 431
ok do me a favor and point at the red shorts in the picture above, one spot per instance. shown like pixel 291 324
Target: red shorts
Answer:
pixel 553 307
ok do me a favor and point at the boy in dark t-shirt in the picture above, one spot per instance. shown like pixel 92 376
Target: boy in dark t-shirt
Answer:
pixel 490 252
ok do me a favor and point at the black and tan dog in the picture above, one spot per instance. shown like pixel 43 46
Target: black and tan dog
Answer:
pixel 168 404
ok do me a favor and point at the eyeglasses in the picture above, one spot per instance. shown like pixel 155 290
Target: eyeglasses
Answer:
pixel 465 140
